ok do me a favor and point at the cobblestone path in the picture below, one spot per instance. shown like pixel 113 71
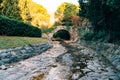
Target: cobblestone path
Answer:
pixel 75 62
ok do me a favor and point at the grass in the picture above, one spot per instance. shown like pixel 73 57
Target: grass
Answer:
pixel 12 42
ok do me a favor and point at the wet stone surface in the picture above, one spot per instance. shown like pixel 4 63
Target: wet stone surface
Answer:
pixel 75 62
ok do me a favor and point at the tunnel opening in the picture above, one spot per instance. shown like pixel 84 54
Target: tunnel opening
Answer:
pixel 62 34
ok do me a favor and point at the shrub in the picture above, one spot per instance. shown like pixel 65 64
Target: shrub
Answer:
pixel 104 16
pixel 87 36
pixel 11 27
pixel 90 35
pixel 99 35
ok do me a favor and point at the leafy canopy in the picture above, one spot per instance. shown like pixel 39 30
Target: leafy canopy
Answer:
pixel 104 15
pixel 65 12
pixel 26 11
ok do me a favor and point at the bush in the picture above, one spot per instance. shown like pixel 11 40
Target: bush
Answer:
pixel 11 27
pixel 87 36
pixel 90 35
pixel 104 16
pixel 62 34
pixel 100 35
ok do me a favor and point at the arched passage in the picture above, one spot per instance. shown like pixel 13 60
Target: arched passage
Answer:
pixel 62 34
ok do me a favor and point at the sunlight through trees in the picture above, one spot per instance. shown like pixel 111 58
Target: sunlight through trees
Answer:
pixel 65 12
pixel 26 11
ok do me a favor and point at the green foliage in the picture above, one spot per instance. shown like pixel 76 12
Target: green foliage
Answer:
pixel 1 5
pixel 68 13
pixel 65 12
pixel 10 9
pixel 88 34
pixel 104 15
pixel 62 34
pixel 0 1
pixel 12 27
pixel 39 15
pixel 48 30
pixel 26 11
pixel 57 23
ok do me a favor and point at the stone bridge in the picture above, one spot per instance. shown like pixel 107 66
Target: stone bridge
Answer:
pixel 73 33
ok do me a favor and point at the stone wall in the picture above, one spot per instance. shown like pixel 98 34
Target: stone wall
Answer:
pixel 109 51
pixel 20 53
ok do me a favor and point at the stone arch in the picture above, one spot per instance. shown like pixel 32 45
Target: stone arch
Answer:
pixel 62 34
pixel 73 31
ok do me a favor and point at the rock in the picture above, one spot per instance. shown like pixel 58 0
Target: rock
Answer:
pixel 67 58
pixel 76 76
pixel 23 51
pixel 118 67
pixel 59 73
pixel 3 55
pixel 1 62
pixel 116 62
pixel 78 67
pixel 28 48
pixel 3 67
pixel 85 71
pixel 13 53
pixel 8 56
pixel 86 78
pixel 6 60
pixel 14 59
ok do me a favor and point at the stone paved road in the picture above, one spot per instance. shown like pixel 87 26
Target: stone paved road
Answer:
pixel 24 70
pixel 82 63
pixel 58 63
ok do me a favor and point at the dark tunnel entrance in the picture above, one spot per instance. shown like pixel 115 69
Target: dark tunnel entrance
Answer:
pixel 62 34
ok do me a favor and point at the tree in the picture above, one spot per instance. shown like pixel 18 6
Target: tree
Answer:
pixel 11 11
pixel 59 14
pixel 104 15
pixel 1 5
pixel 0 1
pixel 39 15
pixel 65 12
pixel 26 11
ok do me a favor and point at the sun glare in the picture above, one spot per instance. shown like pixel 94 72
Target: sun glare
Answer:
pixel 51 5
